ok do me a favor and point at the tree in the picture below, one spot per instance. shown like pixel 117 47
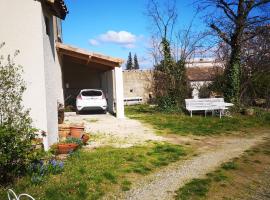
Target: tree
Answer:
pixel 163 18
pixel 171 51
pixel 136 64
pixel 255 77
pixel 129 64
pixel 236 22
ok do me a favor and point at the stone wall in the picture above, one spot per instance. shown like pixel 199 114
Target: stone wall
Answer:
pixel 138 83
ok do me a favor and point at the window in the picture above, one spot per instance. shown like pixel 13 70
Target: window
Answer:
pixel 59 29
pixel 47 24
pixel 92 93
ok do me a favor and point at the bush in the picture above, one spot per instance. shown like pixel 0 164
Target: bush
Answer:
pixel 15 153
pixel 204 91
pixel 171 86
pixel 16 131
pixel 166 103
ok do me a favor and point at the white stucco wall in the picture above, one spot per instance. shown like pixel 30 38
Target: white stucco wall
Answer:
pixel 119 92
pixel 53 79
pixel 107 84
pixel 21 29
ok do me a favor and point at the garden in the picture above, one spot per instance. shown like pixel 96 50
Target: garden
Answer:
pixel 181 123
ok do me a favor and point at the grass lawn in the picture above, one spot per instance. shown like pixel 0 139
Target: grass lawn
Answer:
pixel 177 123
pixel 246 177
pixel 92 174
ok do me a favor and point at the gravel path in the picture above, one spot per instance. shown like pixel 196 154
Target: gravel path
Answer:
pixel 163 184
pixel 108 130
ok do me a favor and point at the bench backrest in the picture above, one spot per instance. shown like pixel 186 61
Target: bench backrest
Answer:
pixel 133 100
pixel 202 104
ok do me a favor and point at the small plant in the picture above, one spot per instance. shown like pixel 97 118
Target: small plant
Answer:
pixel 40 169
pixel 193 189
pixel 229 165
pixel 126 185
pixel 74 140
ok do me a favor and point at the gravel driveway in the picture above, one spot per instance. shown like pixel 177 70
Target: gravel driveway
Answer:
pixel 162 185
pixel 105 129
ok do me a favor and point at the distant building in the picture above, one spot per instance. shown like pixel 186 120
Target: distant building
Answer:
pixel 139 83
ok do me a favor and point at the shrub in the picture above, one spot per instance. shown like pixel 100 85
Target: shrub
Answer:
pixel 171 86
pixel 16 131
pixel 204 91
pixel 15 153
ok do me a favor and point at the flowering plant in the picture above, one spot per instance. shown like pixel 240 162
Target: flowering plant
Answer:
pixel 38 170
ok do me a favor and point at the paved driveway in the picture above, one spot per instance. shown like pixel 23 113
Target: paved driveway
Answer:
pixel 105 129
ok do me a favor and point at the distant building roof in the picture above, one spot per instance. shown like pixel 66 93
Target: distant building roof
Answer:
pixel 58 8
pixel 203 73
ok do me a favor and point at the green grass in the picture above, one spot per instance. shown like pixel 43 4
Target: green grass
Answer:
pixel 198 188
pixel 195 189
pixel 182 124
pixel 91 174
pixel 229 165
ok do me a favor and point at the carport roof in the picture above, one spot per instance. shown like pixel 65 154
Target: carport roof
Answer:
pixel 88 57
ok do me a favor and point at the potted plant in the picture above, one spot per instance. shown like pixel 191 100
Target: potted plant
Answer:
pixel 69 145
pixel 76 131
pixel 85 138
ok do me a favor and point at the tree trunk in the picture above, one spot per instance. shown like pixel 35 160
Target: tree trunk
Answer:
pixel 232 74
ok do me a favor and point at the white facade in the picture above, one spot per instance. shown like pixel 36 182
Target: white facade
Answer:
pixel 119 92
pixel 203 62
pixel 23 28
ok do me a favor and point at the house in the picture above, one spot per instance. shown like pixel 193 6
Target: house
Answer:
pixel 51 68
pixel 202 72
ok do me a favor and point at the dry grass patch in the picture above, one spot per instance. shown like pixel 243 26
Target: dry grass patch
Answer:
pixel 246 177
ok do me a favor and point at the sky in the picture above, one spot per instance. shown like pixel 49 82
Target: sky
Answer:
pixel 117 27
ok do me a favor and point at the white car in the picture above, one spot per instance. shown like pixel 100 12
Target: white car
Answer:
pixel 91 99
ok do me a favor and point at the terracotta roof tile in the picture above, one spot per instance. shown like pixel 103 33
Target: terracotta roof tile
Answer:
pixel 203 73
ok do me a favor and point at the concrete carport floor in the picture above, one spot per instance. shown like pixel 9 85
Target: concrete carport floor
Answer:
pixel 85 70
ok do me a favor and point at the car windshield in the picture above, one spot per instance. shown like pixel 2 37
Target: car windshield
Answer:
pixel 92 93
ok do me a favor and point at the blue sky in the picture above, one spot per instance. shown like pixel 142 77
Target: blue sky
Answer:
pixel 116 27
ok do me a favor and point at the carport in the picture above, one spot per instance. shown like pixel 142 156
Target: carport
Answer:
pixel 82 70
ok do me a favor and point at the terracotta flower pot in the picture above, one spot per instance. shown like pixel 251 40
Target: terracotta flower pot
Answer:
pixel 76 131
pixel 85 138
pixel 66 148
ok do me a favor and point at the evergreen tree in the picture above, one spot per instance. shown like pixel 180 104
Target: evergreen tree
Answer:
pixel 136 64
pixel 129 64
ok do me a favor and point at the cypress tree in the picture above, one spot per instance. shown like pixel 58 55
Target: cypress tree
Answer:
pixel 129 64
pixel 136 64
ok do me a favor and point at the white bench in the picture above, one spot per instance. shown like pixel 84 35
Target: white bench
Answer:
pixel 207 104
pixel 133 100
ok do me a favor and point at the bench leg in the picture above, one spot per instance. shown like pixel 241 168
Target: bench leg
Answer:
pixel 205 113
pixel 190 113
pixel 220 113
